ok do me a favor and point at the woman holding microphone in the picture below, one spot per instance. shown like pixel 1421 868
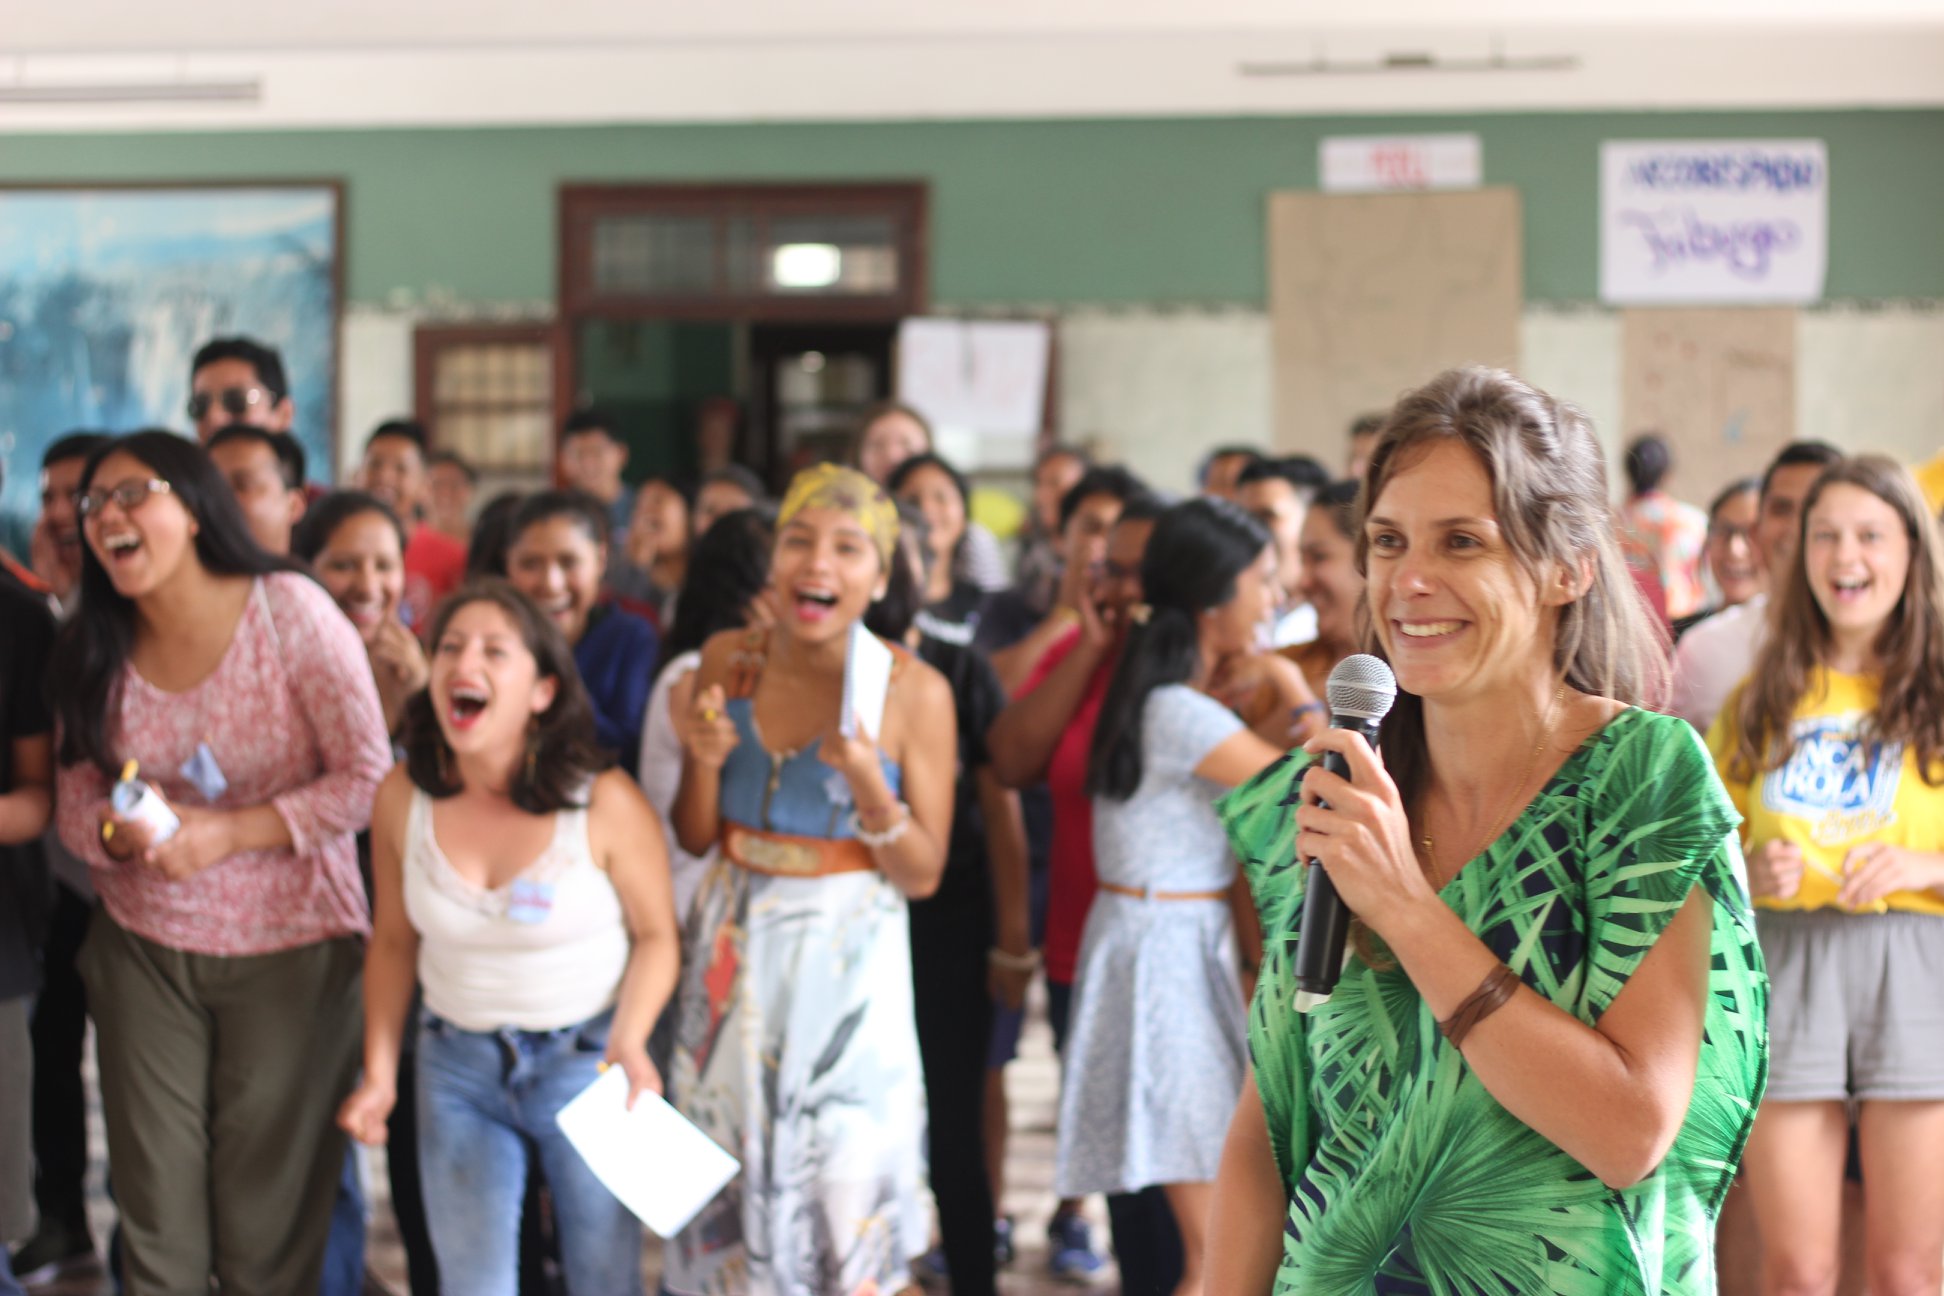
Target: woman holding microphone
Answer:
pixel 1540 1066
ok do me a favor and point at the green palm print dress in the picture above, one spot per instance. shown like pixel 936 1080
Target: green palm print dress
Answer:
pixel 1403 1174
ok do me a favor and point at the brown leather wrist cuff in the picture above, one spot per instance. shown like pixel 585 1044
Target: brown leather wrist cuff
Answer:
pixel 1498 986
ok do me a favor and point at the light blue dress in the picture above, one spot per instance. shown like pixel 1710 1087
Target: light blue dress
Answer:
pixel 1156 1052
pixel 797 1050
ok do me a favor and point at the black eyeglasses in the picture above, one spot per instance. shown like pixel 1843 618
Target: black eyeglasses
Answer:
pixel 129 495
pixel 236 401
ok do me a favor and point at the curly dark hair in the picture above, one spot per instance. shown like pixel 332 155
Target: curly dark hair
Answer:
pixel 565 754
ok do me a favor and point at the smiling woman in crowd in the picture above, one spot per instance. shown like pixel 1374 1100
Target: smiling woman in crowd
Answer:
pixel 222 971
pixel 1539 1069
pixel 559 550
pixel 1833 749
pixel 356 545
pixel 796 1048
pixel 525 887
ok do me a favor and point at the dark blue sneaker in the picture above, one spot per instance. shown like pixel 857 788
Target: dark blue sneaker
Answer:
pixel 1070 1253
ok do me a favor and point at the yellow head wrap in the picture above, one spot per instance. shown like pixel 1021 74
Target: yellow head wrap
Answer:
pixel 845 490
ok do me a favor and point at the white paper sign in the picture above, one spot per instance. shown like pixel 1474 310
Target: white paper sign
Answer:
pixel 981 383
pixel 1381 163
pixel 1714 222
pixel 867 682
pixel 660 1167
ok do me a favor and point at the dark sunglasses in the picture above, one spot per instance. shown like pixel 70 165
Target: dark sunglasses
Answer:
pixel 129 495
pixel 236 401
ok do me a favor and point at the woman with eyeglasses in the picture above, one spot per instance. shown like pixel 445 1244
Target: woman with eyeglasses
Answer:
pixel 223 967
pixel 1734 564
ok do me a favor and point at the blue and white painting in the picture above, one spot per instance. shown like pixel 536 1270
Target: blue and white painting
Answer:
pixel 106 293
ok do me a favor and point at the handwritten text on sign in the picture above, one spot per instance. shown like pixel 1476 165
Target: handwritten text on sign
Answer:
pixel 1375 163
pixel 1713 221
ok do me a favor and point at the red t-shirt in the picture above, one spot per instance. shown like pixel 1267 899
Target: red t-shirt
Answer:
pixel 435 563
pixel 1070 870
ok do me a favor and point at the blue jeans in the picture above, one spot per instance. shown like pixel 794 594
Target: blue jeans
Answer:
pixel 484 1099
pixel 344 1252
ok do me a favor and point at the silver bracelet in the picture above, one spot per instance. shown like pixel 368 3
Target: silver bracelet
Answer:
pixel 880 840
pixel 1013 962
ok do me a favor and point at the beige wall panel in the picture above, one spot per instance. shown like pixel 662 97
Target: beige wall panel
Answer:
pixel 1371 294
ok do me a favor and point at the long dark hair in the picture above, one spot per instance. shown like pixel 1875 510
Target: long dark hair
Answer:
pixel 85 677
pixel 1549 492
pixel 1192 559
pixel 1910 647
pixel 904 585
pixel 492 536
pixel 728 567
pixel 564 754
pixel 322 519
pixel 544 506
pixel 903 473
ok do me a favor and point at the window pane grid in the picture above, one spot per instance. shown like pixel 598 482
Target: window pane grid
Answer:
pixel 493 402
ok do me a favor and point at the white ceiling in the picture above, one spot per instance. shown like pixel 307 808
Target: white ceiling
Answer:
pixel 461 62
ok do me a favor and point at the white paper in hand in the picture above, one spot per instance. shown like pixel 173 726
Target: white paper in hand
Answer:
pixel 867 679
pixel 659 1165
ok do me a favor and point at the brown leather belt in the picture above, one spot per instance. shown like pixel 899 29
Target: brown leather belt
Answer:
pixel 781 855
pixel 1145 893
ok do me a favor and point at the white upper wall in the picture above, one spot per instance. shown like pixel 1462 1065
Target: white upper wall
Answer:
pixel 465 62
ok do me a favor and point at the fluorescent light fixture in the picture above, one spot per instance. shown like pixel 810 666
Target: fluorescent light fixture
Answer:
pixel 128 92
pixel 806 265
pixel 1413 61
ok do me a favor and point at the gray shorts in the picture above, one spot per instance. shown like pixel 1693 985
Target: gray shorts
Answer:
pixel 16 1123
pixel 1856 1005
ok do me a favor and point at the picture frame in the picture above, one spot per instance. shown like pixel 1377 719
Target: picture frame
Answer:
pixel 107 290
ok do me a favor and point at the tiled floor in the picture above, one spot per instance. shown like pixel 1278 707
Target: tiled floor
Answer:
pixel 1032 1085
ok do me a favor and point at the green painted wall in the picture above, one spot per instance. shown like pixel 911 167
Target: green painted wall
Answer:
pixel 1071 212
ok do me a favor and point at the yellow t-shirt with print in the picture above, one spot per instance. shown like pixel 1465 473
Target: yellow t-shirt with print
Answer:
pixel 1834 793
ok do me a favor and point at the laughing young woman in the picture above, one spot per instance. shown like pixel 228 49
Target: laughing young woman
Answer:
pixel 1538 1072
pixel 1833 749
pixel 796 1048
pixel 525 888
pixel 558 552
pixel 222 969
pixel 356 545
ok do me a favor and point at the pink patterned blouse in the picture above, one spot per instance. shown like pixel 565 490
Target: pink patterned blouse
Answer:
pixel 290 716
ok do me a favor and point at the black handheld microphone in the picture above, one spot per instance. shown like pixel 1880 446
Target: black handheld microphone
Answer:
pixel 1361 690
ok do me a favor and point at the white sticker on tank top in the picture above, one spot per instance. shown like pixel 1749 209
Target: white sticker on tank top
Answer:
pixel 529 901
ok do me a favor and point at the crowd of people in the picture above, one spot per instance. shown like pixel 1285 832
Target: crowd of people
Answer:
pixel 386 816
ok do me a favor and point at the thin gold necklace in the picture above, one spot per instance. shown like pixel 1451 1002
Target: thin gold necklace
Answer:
pixel 1505 811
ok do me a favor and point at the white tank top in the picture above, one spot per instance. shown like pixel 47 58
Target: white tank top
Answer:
pixel 545 951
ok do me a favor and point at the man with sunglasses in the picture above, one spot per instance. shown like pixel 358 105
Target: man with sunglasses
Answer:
pixel 238 380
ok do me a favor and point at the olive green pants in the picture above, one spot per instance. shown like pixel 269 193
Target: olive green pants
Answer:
pixel 220 1082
